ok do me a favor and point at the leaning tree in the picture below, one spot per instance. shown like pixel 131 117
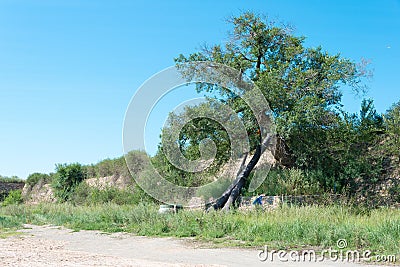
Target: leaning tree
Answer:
pixel 301 84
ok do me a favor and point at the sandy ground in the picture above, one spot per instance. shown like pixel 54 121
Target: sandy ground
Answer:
pixel 57 246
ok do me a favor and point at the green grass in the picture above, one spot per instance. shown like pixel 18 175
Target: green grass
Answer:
pixel 286 227
pixel 6 234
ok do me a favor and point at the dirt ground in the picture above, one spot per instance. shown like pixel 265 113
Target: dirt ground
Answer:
pixel 57 246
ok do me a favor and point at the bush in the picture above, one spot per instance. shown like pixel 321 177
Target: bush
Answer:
pixel 291 182
pixel 86 195
pixel 140 196
pixel 108 167
pixel 34 178
pixel 13 197
pixel 66 179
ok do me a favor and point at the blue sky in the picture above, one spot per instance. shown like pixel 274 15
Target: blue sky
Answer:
pixel 68 69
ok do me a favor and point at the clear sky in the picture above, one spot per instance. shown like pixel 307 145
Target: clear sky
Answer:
pixel 68 68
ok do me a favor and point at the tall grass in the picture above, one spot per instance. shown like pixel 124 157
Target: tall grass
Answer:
pixel 286 227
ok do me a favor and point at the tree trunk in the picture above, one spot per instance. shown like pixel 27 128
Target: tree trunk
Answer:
pixel 231 194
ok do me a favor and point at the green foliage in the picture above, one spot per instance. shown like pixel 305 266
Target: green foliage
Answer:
pixel 360 162
pixel 290 182
pixel 394 191
pixel 107 167
pixel 192 143
pixel 392 122
pixel 12 179
pixel 176 175
pixel 303 88
pixel 117 166
pixel 67 177
pixel 344 153
pixel 286 227
pixel 141 197
pixel 13 197
pixel 34 178
pixel 136 160
pixel 5 179
pixel 301 84
pixel 86 195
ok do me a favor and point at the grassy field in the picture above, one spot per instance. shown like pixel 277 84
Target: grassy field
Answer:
pixel 286 227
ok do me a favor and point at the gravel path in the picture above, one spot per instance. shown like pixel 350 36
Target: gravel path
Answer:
pixel 57 246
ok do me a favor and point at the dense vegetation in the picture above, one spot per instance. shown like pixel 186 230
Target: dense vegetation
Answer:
pixel 283 228
pixel 320 146
pixel 7 196
pixel 67 181
pixel 13 179
pixel 13 197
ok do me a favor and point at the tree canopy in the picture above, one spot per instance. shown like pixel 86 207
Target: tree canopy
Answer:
pixel 303 86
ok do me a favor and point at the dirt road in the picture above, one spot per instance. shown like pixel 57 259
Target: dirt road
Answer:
pixel 56 246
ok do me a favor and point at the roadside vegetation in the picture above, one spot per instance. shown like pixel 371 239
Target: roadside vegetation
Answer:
pixel 285 227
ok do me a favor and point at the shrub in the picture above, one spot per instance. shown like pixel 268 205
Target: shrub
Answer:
pixel 136 159
pixel 13 197
pixel 86 195
pixel 66 179
pixel 290 182
pixel 34 178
